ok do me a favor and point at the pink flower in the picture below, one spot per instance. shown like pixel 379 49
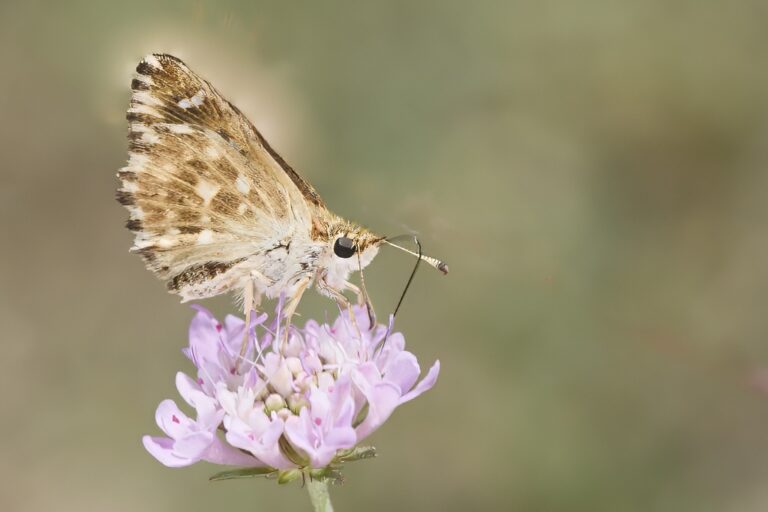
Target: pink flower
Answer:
pixel 325 427
pixel 296 401
pixel 188 440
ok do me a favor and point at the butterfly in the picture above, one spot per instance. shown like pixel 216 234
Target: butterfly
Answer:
pixel 215 209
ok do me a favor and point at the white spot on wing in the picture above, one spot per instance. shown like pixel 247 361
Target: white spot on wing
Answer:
pixel 180 128
pixel 146 98
pixel 206 190
pixel 137 160
pixel 242 184
pixel 166 242
pixel 205 237
pixel 134 212
pixel 152 61
pixel 241 208
pixel 144 78
pixel 130 186
pixel 140 108
pixel 194 101
pixel 150 137
pixel 212 153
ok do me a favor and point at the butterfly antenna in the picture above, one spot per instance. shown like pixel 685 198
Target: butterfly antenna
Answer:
pixel 439 265
pixel 434 262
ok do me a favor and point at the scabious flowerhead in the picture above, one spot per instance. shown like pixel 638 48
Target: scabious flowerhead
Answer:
pixel 297 400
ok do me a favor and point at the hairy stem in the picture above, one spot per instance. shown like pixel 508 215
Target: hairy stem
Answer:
pixel 318 494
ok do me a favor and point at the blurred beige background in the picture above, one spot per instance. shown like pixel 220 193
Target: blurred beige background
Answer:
pixel 594 173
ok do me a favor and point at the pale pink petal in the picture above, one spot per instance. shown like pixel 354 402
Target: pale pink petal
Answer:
pixel 382 398
pixel 221 453
pixel 403 371
pixel 322 456
pixel 342 402
pixel 320 406
pixel 209 413
pixel 394 345
pixel 424 385
pixel 341 438
pixel 305 435
pixel 181 451
pixel 298 430
pixel 193 394
pixel 171 420
pixel 193 445
pixel 234 327
pixel 203 335
pixel 161 448
pixel 278 374
pixel 187 387
pixel 262 444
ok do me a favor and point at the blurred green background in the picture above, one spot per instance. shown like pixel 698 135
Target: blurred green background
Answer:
pixel 594 173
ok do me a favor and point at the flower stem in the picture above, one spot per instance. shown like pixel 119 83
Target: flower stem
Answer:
pixel 318 494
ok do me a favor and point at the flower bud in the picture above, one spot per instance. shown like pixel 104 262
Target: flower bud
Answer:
pixel 312 363
pixel 294 365
pixel 325 380
pixel 296 401
pixel 302 382
pixel 281 378
pixel 294 345
pixel 274 402
pixel 261 392
pixel 284 414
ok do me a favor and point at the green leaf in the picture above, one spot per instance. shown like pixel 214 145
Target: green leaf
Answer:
pixel 242 473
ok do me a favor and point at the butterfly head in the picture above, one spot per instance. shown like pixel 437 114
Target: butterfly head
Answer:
pixel 349 248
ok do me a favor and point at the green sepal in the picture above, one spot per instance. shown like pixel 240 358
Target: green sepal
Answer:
pixel 242 473
pixel 290 452
pixel 360 416
pixel 331 474
pixel 289 475
pixel 358 453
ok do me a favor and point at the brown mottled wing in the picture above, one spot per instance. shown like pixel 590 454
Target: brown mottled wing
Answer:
pixel 203 188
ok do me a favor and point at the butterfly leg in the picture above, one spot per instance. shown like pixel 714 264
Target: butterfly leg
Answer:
pixel 293 303
pixel 358 292
pixel 248 304
pixel 340 299
pixel 251 302
pixel 363 299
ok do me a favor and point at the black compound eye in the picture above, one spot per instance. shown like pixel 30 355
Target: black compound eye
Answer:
pixel 344 247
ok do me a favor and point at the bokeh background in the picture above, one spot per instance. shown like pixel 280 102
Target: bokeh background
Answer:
pixel 594 172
